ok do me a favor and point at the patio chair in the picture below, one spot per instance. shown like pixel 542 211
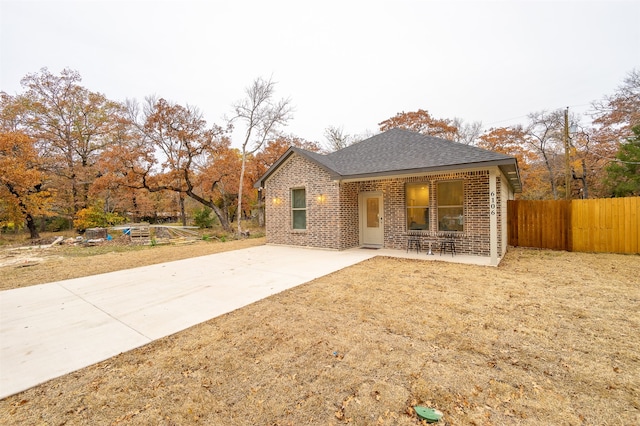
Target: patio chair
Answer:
pixel 413 241
pixel 449 243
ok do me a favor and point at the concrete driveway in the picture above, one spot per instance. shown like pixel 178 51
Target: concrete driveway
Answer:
pixel 53 329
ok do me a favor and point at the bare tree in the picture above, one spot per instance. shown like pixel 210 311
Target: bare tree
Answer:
pixel 336 138
pixel 616 115
pixel 262 116
pixel 544 135
pixel 468 133
pixel 365 134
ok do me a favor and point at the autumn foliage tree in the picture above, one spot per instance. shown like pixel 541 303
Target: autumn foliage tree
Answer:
pixel 23 194
pixel 539 149
pixel 614 119
pixel 172 149
pixel 219 178
pixel 117 185
pixel 421 122
pixel 71 126
pixel 616 115
pixel 274 149
pixel 511 141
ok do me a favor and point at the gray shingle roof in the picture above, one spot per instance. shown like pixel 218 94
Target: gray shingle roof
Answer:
pixel 402 150
pixel 398 152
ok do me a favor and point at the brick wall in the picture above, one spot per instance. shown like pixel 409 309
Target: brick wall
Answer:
pixel 323 215
pixel 349 216
pixel 476 209
pixel 334 222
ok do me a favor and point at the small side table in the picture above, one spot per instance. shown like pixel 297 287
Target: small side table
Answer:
pixel 430 253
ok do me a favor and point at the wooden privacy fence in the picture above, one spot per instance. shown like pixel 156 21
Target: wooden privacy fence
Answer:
pixel 606 225
pixel 542 224
pixel 598 225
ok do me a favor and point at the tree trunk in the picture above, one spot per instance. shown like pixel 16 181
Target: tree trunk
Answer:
pixel 224 221
pixel 75 203
pixel 182 213
pixel 31 224
pixel 552 181
pixel 136 215
pixel 585 193
pixel 239 211
pixel 260 211
pixel 222 217
pixel 32 227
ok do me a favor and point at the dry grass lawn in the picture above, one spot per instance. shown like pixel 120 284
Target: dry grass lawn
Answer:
pixel 21 268
pixel 546 338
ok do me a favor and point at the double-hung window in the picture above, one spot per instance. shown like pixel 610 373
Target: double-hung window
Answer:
pixel 450 206
pixel 417 204
pixel 298 208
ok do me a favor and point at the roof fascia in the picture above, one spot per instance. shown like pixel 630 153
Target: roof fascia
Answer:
pixel 505 170
pixel 284 157
pixel 512 173
pixel 274 166
pixel 427 170
pixel 332 173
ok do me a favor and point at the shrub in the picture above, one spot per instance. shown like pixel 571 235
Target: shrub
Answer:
pixel 10 226
pixel 202 218
pixel 56 224
pixel 96 217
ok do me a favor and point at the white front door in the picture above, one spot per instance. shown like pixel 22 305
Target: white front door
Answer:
pixel 371 219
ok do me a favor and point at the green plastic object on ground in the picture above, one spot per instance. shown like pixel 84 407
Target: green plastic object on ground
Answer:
pixel 431 415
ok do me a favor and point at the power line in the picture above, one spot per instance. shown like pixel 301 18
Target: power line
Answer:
pixel 615 160
pixel 507 119
pixel 526 115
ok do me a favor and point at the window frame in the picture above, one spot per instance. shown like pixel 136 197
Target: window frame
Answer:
pixel 428 207
pixel 298 209
pixel 450 206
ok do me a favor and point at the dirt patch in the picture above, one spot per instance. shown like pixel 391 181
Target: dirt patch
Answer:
pixel 546 338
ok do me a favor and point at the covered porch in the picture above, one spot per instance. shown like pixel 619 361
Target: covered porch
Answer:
pixel 467 259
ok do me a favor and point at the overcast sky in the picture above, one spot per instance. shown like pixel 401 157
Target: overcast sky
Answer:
pixel 342 63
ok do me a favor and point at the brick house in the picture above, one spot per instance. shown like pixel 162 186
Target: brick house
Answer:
pixel 388 188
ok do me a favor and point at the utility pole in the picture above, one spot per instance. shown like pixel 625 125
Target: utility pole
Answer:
pixel 567 160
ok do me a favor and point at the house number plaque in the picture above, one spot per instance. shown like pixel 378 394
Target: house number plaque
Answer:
pixel 492 205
